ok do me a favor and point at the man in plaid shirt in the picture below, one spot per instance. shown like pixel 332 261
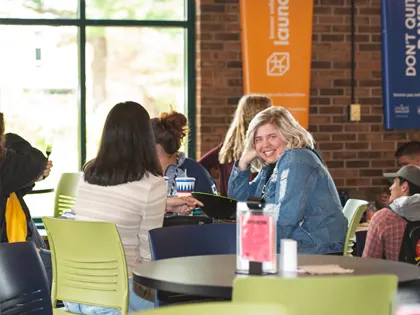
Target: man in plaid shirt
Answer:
pixel 386 230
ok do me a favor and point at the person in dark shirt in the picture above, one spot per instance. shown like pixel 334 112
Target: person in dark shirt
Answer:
pixel 21 165
pixel 223 155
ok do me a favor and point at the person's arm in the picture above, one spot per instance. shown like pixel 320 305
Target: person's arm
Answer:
pixel 152 217
pixel 239 186
pixel 22 165
pixel 210 159
pixel 295 182
pixel 182 204
pixel 374 246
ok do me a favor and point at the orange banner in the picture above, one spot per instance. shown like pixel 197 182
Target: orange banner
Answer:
pixel 276 52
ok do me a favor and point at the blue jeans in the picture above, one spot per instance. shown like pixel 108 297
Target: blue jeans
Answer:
pixel 135 304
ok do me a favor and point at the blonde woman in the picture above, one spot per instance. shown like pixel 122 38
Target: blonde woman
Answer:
pixel 223 156
pixel 292 176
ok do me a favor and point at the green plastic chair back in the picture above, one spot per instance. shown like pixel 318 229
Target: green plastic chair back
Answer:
pixel 65 193
pixel 341 295
pixel 88 263
pixel 350 208
pixel 219 308
pixel 353 211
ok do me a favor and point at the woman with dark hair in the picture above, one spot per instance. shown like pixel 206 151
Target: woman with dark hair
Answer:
pixel 170 129
pixel 124 184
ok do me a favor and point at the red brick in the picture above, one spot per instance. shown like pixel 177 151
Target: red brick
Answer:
pixel 330 146
pixel 386 146
pixel 370 172
pixel 344 137
pixel 357 146
pixel 369 155
pixel 369 137
pixel 384 163
pixel 345 155
pixel 319 136
pixel 358 182
pixel 335 164
pixel 343 173
pixel 380 182
pixel 395 136
pixel 320 120
pixel 357 163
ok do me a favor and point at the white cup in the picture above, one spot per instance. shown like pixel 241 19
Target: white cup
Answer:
pixel 184 186
pixel 288 256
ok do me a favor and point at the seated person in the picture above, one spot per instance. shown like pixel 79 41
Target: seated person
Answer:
pixel 225 154
pixel 293 177
pixel 169 130
pixel 386 229
pixel 21 165
pixel 408 154
pixel 123 184
pixel 381 201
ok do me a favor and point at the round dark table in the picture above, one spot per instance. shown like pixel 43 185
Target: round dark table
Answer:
pixel 212 276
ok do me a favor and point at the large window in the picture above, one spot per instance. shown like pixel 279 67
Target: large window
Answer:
pixel 64 64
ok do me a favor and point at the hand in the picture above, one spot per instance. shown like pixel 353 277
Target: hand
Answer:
pixel 246 159
pixel 47 171
pixel 182 204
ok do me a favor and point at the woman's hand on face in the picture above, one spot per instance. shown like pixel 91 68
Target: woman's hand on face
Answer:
pixel 182 204
pixel 246 159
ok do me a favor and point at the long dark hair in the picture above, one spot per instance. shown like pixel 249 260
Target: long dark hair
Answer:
pixel 127 150
pixel 170 129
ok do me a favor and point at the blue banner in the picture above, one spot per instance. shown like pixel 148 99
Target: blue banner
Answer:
pixel 401 63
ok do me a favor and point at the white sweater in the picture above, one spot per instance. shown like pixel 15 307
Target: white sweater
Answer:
pixel 134 207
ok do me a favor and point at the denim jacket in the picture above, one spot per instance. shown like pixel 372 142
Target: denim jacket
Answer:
pixel 309 207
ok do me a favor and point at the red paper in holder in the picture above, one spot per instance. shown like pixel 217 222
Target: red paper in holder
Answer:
pixel 257 238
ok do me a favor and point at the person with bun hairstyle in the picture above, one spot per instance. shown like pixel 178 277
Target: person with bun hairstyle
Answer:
pixel 226 153
pixel 170 128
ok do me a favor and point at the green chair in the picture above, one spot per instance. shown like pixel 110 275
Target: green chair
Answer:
pixel 353 211
pixel 65 194
pixel 219 308
pixel 341 295
pixel 88 264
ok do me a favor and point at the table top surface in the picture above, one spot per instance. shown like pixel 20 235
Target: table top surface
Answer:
pixel 214 275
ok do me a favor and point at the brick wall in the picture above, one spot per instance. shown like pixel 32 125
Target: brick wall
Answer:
pixel 356 153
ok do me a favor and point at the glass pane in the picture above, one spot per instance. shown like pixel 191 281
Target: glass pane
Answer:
pixel 38 9
pixel 136 9
pixel 38 96
pixel 141 64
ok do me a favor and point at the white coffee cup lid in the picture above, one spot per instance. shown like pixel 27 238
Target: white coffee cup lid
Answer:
pixel 185 179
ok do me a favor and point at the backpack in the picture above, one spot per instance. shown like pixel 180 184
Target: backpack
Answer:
pixel 410 245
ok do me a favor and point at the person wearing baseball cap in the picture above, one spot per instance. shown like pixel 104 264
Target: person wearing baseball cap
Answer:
pixel 386 230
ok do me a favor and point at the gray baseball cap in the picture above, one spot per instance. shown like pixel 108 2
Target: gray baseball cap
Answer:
pixel 410 173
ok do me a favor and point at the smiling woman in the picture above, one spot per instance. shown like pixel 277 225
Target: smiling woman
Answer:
pixel 292 176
